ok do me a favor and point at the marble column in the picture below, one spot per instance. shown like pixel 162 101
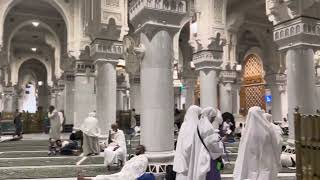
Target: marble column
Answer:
pixel 190 85
pixel 157 126
pixel 9 99
pixel 84 95
pixel 106 93
pixel 135 94
pixel 227 78
pixel 120 100
pixel 69 98
pixel 300 82
pixel 225 97
pixel 208 88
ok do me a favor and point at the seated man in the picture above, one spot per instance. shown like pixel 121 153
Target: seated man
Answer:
pixel 117 148
pixel 133 169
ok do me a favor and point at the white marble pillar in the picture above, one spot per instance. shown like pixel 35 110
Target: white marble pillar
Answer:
pixel 69 99
pixel 225 97
pixel 276 108
pixel 300 83
pixel 157 125
pixel 120 100
pixel 60 100
pixel 106 93
pixel 208 88
pixel 190 85
pixel 9 101
pixel 135 96
pixel 84 98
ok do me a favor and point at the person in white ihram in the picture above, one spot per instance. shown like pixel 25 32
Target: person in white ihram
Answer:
pixel 205 152
pixel 117 149
pixel 184 143
pixel 91 133
pixel 259 153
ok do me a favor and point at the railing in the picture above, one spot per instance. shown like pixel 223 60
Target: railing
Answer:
pixel 165 5
pixel 307 142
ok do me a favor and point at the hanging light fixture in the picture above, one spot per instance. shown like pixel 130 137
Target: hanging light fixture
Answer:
pixel 35 23
pixel 34 49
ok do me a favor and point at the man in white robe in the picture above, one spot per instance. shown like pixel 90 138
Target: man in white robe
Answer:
pixel 91 133
pixel 55 123
pixel 205 152
pixel 258 157
pixel 184 143
pixel 117 149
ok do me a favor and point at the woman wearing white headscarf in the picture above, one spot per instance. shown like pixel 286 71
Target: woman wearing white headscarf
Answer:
pixel 184 143
pixel 206 147
pixel 91 132
pixel 258 157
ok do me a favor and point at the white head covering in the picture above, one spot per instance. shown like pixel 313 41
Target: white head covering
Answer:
pixel 200 157
pixel 185 138
pixel 258 156
pixel 209 112
pixel 90 125
pixel 268 117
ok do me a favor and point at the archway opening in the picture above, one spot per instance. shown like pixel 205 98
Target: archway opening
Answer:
pixel 252 92
pixel 32 85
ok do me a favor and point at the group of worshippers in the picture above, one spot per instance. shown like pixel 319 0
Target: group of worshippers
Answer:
pixel 116 150
pixel 200 148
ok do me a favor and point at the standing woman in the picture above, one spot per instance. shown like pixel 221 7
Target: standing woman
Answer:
pixel 207 147
pixel 91 133
pixel 55 123
pixel 258 157
pixel 184 143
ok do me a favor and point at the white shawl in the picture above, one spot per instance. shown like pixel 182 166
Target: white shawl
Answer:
pixel 258 157
pixel 90 126
pixel 132 170
pixel 185 138
pixel 200 158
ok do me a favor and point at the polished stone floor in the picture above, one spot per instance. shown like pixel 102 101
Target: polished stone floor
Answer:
pixel 28 159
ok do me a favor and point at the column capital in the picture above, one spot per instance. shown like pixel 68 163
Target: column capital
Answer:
pixel 84 68
pixel 228 76
pixel 207 60
pixel 152 16
pixel 301 31
pixel 106 49
pixel 276 79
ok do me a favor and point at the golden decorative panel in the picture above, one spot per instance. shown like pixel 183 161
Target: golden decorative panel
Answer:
pixel 252 92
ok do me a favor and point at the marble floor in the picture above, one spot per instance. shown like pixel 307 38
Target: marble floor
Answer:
pixel 28 159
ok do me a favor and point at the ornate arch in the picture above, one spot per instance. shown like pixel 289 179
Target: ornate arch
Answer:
pixel 25 23
pixel 15 67
pixel 7 5
pixel 252 92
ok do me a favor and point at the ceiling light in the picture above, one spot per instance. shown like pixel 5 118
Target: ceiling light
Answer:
pixel 35 23
pixel 40 83
pixel 192 65
pixel 34 49
pixel 238 67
